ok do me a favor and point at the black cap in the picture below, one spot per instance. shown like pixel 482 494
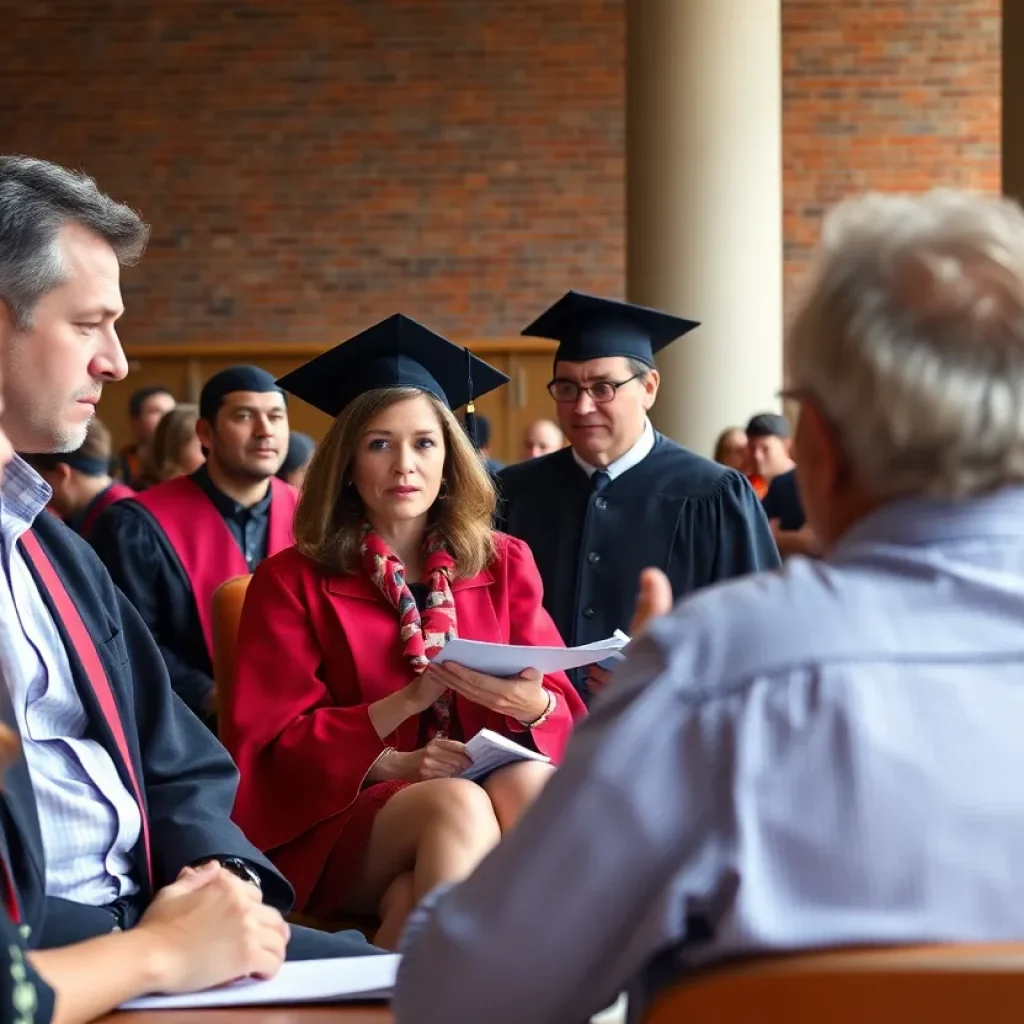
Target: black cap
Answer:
pixel 234 378
pixel 588 327
pixel 300 450
pixel 397 352
pixel 768 424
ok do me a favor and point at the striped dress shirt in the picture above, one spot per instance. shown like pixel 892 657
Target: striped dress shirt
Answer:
pixel 89 821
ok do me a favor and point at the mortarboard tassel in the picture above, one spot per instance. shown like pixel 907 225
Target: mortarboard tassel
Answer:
pixel 470 417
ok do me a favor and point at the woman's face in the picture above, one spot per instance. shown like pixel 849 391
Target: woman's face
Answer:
pixel 399 463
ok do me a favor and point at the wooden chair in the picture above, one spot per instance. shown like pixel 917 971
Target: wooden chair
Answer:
pixel 943 984
pixel 228 599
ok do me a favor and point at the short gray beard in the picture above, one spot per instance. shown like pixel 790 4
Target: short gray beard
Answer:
pixel 69 439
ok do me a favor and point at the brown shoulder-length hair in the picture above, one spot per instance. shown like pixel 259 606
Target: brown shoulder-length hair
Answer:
pixel 329 517
pixel 173 435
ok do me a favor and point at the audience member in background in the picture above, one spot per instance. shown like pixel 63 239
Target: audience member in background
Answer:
pixel 121 791
pixel 731 449
pixel 146 408
pixel 768 447
pixel 176 450
pixel 296 462
pixel 171 548
pixel 80 480
pixel 394 556
pixel 541 437
pixel 785 512
pixel 482 428
pixel 623 497
pixel 825 756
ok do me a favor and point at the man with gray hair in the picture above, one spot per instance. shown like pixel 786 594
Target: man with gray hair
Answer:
pixel 121 790
pixel 830 754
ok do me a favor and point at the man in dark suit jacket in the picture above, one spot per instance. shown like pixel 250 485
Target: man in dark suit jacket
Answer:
pixel 122 790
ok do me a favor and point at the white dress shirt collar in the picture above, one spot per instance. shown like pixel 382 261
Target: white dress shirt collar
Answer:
pixel 632 458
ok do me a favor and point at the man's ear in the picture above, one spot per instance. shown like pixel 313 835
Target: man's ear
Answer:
pixel 651 382
pixel 205 432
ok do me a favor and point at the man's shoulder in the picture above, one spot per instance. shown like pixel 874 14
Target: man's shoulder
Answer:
pixel 535 472
pixel 682 470
pixel 807 613
pixel 72 556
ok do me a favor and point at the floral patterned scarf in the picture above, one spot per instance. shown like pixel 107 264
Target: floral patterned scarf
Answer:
pixel 422 635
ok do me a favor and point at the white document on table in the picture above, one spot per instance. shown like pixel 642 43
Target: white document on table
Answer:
pixel 507 660
pixel 491 751
pixel 344 980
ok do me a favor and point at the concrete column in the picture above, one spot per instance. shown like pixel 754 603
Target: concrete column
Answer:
pixel 704 203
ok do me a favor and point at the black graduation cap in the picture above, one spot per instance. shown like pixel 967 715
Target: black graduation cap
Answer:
pixel 397 352
pixel 588 327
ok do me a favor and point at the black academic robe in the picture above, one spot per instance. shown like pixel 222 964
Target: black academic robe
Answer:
pixel 144 566
pixel 188 780
pixel 696 520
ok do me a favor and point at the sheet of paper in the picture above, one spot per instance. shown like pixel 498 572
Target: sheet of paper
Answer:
pixel 490 751
pixel 344 980
pixel 507 660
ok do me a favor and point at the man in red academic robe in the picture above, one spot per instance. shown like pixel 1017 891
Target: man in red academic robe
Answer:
pixel 173 545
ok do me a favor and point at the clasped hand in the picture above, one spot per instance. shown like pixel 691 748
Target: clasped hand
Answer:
pixel 522 698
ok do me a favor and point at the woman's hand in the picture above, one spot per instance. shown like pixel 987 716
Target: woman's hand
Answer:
pixel 424 691
pixel 522 698
pixel 439 759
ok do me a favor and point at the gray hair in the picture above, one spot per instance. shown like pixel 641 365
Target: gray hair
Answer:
pixel 911 342
pixel 37 199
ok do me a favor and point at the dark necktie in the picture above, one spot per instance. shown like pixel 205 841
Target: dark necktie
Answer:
pixel 600 480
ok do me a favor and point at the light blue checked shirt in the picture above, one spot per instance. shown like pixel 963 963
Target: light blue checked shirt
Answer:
pixel 830 754
pixel 89 820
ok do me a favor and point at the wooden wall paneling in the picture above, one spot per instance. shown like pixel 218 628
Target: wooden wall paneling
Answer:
pixel 184 367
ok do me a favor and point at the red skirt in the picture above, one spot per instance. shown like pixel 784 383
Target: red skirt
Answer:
pixel 328 897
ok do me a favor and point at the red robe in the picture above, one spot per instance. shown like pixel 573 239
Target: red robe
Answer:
pixel 115 492
pixel 208 552
pixel 314 651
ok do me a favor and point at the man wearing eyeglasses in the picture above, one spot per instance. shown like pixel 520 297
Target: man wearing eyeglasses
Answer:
pixel 622 497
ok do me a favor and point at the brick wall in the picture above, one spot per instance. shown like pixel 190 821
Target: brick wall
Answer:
pixel 898 95
pixel 311 166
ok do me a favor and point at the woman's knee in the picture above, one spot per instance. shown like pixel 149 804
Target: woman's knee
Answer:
pixel 511 790
pixel 461 805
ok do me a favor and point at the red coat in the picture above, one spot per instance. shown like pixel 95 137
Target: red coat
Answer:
pixel 314 651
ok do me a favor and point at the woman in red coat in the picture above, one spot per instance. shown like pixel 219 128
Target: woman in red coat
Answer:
pixel 348 741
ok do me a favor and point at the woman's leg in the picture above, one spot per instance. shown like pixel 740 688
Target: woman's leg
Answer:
pixel 513 788
pixel 395 906
pixel 438 830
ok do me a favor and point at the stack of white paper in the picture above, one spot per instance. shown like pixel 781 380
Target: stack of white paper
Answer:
pixel 345 980
pixel 490 751
pixel 507 660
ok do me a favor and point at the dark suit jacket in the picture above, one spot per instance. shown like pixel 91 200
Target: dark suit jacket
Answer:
pixel 188 779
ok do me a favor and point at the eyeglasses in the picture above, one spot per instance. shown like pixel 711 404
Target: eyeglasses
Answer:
pixel 563 390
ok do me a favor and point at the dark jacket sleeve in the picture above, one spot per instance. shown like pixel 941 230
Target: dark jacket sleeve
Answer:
pixel 24 996
pixel 188 777
pixel 127 542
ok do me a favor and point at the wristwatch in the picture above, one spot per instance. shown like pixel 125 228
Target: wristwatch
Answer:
pixel 548 711
pixel 240 869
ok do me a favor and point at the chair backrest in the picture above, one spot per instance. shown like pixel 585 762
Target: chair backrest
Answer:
pixel 228 599
pixel 947 984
